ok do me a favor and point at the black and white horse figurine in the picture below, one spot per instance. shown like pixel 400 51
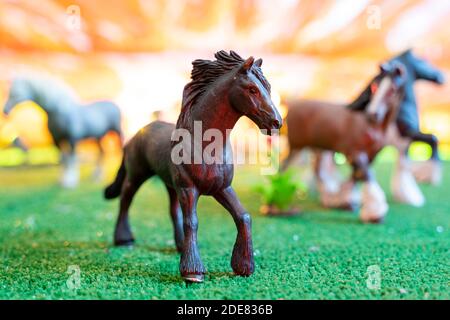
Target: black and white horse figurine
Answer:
pixel 406 130
pixel 69 122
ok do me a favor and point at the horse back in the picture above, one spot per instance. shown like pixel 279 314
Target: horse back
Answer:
pixel 323 125
pixel 148 152
pixel 108 108
pixel 100 117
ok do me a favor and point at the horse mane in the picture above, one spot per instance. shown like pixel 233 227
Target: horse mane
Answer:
pixel 206 72
pixel 47 86
pixel 363 99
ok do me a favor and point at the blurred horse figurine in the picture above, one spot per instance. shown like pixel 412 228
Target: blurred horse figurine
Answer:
pixel 68 121
pixel 359 136
pixel 220 92
pixel 406 130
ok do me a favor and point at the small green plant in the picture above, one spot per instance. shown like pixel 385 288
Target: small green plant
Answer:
pixel 282 189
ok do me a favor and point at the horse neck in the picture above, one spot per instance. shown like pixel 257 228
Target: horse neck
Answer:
pixel 37 97
pixel 52 103
pixel 213 110
pixel 393 109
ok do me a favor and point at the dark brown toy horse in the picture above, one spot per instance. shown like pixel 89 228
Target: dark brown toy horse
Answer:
pixel 359 136
pixel 220 92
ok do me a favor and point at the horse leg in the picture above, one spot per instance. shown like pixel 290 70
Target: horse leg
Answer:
pixel 431 170
pixel 333 193
pixel 326 167
pixel 122 233
pixel 293 153
pixel 191 266
pixel 302 158
pixel 374 205
pixel 242 258
pixel 326 196
pixel 328 181
pixel 98 171
pixel 403 184
pixel 71 173
pixel 346 198
pixel 63 153
pixel 306 160
pixel 177 218
pixel 404 187
pixel 62 159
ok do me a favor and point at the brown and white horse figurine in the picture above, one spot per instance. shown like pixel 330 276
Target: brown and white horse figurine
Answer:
pixel 359 136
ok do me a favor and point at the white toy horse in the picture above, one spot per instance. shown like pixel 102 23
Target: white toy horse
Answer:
pixel 69 122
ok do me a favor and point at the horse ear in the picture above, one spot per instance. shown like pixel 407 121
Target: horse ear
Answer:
pixel 385 67
pixel 247 64
pixel 259 62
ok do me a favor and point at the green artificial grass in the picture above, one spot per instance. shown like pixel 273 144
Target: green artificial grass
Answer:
pixel 322 254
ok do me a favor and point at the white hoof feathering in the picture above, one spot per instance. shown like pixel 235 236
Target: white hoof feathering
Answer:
pixel 428 172
pixel 404 187
pixel 328 185
pixel 345 196
pixel 326 197
pixel 329 173
pixel 71 176
pixel 69 180
pixel 307 177
pixel 374 206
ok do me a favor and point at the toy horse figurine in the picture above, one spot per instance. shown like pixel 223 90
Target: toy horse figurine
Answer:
pixel 220 92
pixel 406 130
pixel 359 136
pixel 68 121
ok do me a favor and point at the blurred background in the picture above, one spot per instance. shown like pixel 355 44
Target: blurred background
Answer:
pixel 138 53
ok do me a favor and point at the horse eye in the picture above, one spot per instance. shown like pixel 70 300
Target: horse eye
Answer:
pixel 253 90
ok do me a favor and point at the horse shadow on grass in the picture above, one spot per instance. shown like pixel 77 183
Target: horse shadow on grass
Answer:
pixel 317 214
pixel 169 250
pixel 341 218
pixel 96 259
pixel 100 259
pixel 328 216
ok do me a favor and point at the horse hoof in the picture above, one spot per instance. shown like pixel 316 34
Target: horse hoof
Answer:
pixel 243 268
pixel 69 185
pixel 124 243
pixel 374 220
pixel 244 273
pixel 350 206
pixel 193 278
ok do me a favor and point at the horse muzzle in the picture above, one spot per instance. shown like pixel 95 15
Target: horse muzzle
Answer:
pixel 272 128
pixel 7 109
pixel 440 79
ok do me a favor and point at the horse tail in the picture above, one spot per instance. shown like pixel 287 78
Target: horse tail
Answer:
pixel 114 189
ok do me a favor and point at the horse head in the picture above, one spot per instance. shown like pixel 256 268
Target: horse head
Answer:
pixel 19 91
pixel 386 93
pixel 249 94
pixel 420 68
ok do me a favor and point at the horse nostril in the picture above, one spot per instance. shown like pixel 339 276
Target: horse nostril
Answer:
pixel 277 124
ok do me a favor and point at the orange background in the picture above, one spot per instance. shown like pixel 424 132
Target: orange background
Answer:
pixel 138 53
